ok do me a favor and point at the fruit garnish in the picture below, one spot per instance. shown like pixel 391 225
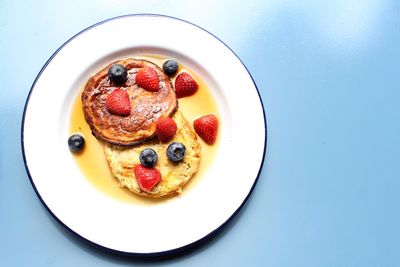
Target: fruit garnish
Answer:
pixel 118 103
pixel 148 157
pixel 185 85
pixel 147 79
pixel 176 151
pixel 76 143
pixel 147 178
pixel 165 129
pixel 117 74
pixel 170 67
pixel 207 128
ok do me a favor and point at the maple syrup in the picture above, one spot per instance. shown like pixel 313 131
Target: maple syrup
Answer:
pixel 93 163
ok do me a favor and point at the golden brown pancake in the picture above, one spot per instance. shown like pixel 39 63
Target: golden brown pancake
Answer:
pixel 147 107
pixel 174 175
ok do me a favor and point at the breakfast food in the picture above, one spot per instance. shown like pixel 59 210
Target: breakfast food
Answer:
pixel 174 174
pixel 176 151
pixel 147 178
pixel 130 107
pixel 128 116
pixel 148 157
pixel 207 128
pixel 147 78
pixel 166 129
pixel 117 74
pixel 76 143
pixel 185 85
pixel 170 67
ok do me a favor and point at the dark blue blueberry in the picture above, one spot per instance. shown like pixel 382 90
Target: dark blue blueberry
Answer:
pixel 76 142
pixel 117 74
pixel 176 151
pixel 170 67
pixel 148 157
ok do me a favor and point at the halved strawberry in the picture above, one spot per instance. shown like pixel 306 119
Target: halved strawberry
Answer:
pixel 147 79
pixel 147 178
pixel 185 85
pixel 118 103
pixel 165 129
pixel 207 128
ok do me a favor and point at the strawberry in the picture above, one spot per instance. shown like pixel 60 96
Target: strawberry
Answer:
pixel 146 177
pixel 147 79
pixel 185 85
pixel 165 129
pixel 207 127
pixel 118 103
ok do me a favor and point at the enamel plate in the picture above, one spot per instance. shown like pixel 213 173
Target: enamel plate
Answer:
pixel 165 226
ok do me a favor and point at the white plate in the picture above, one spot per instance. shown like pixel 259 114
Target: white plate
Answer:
pixel 124 227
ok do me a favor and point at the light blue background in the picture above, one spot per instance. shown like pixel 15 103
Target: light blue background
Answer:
pixel 328 74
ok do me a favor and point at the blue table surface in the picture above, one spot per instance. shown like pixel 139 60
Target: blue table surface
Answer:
pixel 328 75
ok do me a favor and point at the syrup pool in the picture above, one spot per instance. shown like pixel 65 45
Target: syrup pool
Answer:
pixel 92 161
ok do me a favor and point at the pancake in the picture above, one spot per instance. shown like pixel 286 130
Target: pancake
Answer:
pixel 147 107
pixel 122 160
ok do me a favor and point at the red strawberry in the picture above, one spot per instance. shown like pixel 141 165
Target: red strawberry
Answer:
pixel 165 129
pixel 185 85
pixel 147 79
pixel 207 127
pixel 118 103
pixel 146 177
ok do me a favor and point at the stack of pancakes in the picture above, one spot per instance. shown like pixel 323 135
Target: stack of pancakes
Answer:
pixel 126 136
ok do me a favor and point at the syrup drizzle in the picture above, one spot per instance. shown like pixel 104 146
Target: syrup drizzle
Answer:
pixel 92 161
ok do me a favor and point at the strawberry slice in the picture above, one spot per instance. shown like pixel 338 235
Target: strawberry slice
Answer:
pixel 147 79
pixel 118 103
pixel 207 128
pixel 147 178
pixel 165 129
pixel 185 85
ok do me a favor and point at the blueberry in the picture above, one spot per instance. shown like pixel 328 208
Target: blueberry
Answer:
pixel 170 67
pixel 117 74
pixel 176 151
pixel 148 157
pixel 76 142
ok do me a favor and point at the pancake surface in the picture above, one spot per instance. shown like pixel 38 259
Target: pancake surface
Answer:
pixel 122 160
pixel 146 107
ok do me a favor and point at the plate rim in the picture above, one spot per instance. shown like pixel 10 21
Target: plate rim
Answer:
pixel 140 254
